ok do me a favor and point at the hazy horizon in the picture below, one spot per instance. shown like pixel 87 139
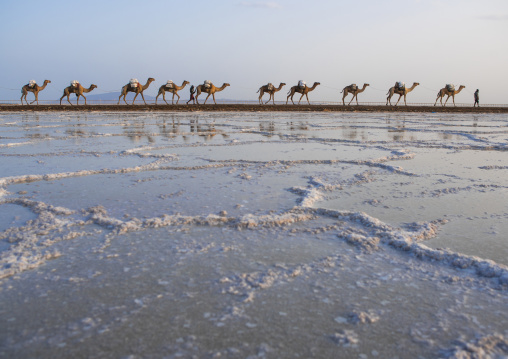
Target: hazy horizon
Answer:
pixel 251 43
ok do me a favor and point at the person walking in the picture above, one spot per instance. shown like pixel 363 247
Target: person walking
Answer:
pixel 192 92
pixel 476 98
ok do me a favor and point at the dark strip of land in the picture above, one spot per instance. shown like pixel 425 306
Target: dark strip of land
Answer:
pixel 250 108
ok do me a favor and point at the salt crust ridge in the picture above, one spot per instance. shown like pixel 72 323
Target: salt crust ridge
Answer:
pixel 403 240
pixel 27 250
pixel 493 346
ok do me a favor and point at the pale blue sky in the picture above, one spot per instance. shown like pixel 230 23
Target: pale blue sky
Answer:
pixel 249 43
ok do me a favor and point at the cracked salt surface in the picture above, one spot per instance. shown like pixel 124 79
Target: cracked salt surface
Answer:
pixel 253 235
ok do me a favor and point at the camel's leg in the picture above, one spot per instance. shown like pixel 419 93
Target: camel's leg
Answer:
pixel 446 100
pixel 177 95
pixel 164 97
pixel 453 98
pixel 398 100
pixel 143 97
pixel 36 98
pixel 137 93
pixel 291 94
pixel 307 97
pixel 351 100
pixel 300 98
pixel 60 99
pixel 68 100
pixel 269 98
pixel 343 97
pixel 206 98
pixel 213 96
pixel 437 98
pixel 84 98
pixel 124 100
pixel 173 99
pixel 260 98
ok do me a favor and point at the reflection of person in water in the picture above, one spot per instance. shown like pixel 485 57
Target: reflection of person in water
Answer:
pixel 192 92
pixel 476 98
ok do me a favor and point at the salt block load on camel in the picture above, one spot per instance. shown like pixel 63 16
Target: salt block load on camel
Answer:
pixel 134 86
pixel 32 86
pixel 303 89
pixel 78 89
pixel 209 88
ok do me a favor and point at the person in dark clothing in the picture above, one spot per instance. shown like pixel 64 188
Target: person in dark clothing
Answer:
pixel 192 92
pixel 476 98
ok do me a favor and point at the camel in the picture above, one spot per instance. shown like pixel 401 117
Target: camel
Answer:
pixel 270 90
pixel 35 89
pixel 401 92
pixel 444 92
pixel 174 90
pixel 138 90
pixel 210 91
pixel 78 90
pixel 353 90
pixel 303 90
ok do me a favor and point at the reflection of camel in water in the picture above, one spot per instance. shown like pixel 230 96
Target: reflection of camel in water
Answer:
pixel 78 90
pixel 303 90
pixel 137 90
pixel 210 91
pixel 401 92
pixel 174 90
pixel 205 130
pixel 270 91
pixel 35 89
pixel 352 90
pixel 445 92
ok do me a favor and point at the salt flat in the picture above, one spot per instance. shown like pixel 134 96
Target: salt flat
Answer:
pixel 270 235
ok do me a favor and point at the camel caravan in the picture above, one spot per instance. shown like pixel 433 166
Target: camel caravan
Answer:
pixel 210 89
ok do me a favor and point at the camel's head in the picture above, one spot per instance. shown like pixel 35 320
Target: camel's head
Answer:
pixel 150 79
pixel 367 84
pixel 92 86
pixel 47 81
pixel 186 82
pixel 283 83
pixel 416 83
pixel 317 83
pixel 462 87
pixel 226 84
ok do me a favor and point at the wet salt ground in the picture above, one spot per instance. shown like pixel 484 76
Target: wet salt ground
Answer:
pixel 253 235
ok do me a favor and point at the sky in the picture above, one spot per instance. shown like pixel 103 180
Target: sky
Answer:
pixel 250 43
